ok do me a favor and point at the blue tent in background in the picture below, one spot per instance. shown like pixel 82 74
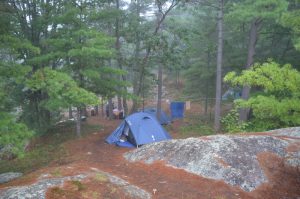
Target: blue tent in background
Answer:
pixel 177 109
pixel 138 128
pixel 232 94
pixel 164 118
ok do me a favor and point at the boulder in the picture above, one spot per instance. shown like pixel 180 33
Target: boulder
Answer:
pixel 6 152
pixel 36 190
pixel 6 177
pixel 231 158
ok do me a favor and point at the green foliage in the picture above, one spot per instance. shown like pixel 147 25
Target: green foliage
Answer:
pixel 279 81
pixel 200 81
pixel 246 11
pixel 13 134
pixel 291 20
pixel 274 40
pixel 197 49
pixel 17 44
pixel 230 123
pixel 279 104
pixel 63 92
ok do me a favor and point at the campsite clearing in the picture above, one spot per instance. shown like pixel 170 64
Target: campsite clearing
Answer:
pixel 161 181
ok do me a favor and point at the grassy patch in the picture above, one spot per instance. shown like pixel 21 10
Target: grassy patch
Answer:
pixel 78 185
pixel 196 130
pixel 47 148
pixel 91 195
pixel 57 191
pixel 56 173
pixel 194 127
pixel 100 177
pixel 220 197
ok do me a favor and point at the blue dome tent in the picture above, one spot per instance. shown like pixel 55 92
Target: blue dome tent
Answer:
pixel 164 118
pixel 138 129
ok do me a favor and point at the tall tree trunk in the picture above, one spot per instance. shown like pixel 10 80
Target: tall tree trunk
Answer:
pixel 125 106
pixel 159 91
pixel 119 60
pixel 207 83
pixel 219 68
pixel 253 36
pixel 136 65
pixel 96 110
pixel 102 107
pixel 78 122
pixel 120 107
pixel 110 108
pixel 70 113
pixel 177 78
pixel 84 112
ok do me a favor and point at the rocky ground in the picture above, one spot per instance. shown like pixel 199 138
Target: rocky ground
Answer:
pixel 46 181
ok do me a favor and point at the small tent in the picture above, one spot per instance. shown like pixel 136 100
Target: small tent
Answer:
pixel 138 128
pixel 232 94
pixel 164 119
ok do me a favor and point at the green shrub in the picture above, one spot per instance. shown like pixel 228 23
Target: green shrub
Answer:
pixel 230 123
pixel 278 105
pixel 13 134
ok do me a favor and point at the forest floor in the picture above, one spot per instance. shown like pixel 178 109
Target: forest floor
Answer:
pixel 91 153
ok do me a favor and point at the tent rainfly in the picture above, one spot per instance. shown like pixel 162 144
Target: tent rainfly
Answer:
pixel 138 129
pixel 164 118
pixel 177 109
